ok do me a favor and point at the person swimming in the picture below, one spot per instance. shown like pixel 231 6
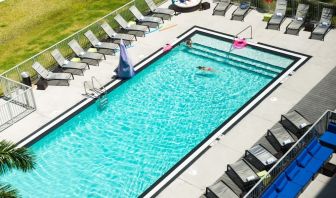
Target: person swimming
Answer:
pixel 204 68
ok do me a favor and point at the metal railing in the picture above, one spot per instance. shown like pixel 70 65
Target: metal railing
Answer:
pixel 317 129
pixel 17 102
pixel 45 58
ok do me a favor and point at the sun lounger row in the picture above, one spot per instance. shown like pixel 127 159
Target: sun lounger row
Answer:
pixel 299 20
pixel 102 48
pixel 239 14
pixel 261 157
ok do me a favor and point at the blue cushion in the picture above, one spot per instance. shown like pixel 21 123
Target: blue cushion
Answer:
pixel 298 175
pixel 280 182
pixel 332 127
pixel 304 158
pixel 291 190
pixel 314 165
pixel 328 139
pixel 270 192
pixel 318 151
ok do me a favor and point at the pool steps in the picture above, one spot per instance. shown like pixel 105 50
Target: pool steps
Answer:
pixel 234 63
pixel 259 62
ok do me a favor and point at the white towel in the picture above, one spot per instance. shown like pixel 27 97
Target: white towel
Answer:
pixel 279 14
pixel 325 23
pixel 286 142
pixel 302 125
pixel 66 62
pixel 250 178
pixel 270 160
pixel 82 53
pixel 299 19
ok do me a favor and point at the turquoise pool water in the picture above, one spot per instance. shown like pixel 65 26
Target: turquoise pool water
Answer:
pixel 150 123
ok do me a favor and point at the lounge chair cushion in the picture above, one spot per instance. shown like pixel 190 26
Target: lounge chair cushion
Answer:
pixel 280 183
pixel 328 139
pixel 306 161
pixel 316 150
pixel 332 127
pixel 298 175
pixel 270 192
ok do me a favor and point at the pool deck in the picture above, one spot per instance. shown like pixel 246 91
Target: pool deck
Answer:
pixel 211 165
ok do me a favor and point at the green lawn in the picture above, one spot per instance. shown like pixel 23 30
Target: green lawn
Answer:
pixel 27 27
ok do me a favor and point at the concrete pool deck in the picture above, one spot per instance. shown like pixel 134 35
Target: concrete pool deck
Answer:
pixel 230 147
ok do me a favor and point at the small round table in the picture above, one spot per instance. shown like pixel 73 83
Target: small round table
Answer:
pixel 187 5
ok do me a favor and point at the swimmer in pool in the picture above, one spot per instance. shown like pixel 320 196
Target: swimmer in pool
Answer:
pixel 204 68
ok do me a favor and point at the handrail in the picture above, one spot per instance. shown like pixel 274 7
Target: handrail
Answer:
pixel 236 36
pixel 101 89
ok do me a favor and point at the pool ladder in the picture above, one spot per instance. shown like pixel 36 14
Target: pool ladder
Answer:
pixel 236 36
pixel 93 89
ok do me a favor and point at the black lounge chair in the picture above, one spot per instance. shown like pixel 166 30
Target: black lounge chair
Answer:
pixel 102 47
pixel 60 78
pixel 220 190
pixel 150 20
pixel 260 157
pixel 221 7
pixel 240 13
pixel 66 65
pixel 164 12
pixel 297 23
pixel 116 37
pixel 278 16
pixel 280 138
pixel 295 122
pixel 323 26
pixel 131 29
pixel 242 174
pixel 79 51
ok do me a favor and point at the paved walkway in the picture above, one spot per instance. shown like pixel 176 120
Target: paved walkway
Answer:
pixel 192 182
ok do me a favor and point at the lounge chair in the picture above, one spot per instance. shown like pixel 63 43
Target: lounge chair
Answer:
pixel 145 19
pixel 242 174
pixel 127 38
pixel 240 13
pixel 295 123
pixel 278 16
pixel 103 47
pixel 323 26
pixel 280 138
pixel 297 23
pixel 221 7
pixel 68 65
pixel 260 157
pixel 219 189
pixel 79 51
pixel 131 28
pixel 51 76
pixel 159 11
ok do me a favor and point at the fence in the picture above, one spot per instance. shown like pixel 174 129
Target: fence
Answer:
pixel 315 131
pixel 45 58
pixel 17 102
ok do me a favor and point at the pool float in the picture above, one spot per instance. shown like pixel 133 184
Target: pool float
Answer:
pixel 167 47
pixel 239 43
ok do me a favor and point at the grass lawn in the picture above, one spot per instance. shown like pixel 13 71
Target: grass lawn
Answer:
pixel 27 27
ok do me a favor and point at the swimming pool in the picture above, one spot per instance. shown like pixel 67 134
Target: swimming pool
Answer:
pixel 151 122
